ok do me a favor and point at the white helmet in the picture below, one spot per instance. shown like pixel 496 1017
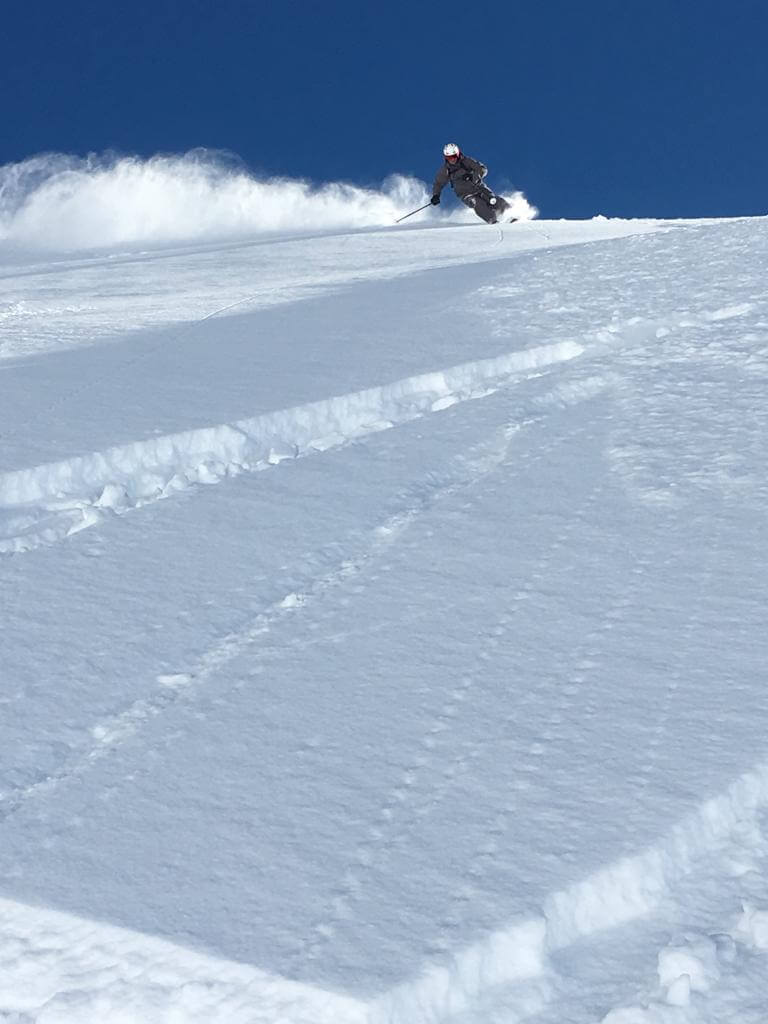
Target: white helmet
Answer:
pixel 451 149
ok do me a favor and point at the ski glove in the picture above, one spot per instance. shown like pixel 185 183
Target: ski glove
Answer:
pixel 435 200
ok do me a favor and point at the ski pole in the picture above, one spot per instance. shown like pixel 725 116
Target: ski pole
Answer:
pixel 412 213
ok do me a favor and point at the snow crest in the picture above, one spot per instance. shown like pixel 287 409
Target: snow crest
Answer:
pixel 45 503
pixel 516 959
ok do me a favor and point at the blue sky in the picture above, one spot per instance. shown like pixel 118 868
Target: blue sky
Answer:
pixel 623 108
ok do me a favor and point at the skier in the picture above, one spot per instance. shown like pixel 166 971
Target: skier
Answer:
pixel 465 177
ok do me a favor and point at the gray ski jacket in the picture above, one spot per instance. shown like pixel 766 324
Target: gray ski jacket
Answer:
pixel 464 176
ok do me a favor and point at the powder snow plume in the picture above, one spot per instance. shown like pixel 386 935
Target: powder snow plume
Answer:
pixel 60 202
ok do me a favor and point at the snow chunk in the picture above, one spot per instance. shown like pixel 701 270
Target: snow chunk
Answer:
pixel 175 682
pixel 752 928
pixel 690 966
pixel 679 992
pixel 729 312
pixel 113 496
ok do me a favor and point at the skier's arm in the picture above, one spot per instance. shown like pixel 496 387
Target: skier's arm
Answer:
pixel 477 169
pixel 441 180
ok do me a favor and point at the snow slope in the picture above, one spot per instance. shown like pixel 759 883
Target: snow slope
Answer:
pixel 383 630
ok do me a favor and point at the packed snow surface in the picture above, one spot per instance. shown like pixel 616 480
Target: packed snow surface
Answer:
pixel 383 615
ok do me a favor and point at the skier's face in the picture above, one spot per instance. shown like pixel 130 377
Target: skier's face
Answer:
pixel 452 159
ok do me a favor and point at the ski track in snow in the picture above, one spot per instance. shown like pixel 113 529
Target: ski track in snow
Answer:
pixel 487 849
pixel 451 990
pixel 661 726
pixel 392 820
pixel 439 731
